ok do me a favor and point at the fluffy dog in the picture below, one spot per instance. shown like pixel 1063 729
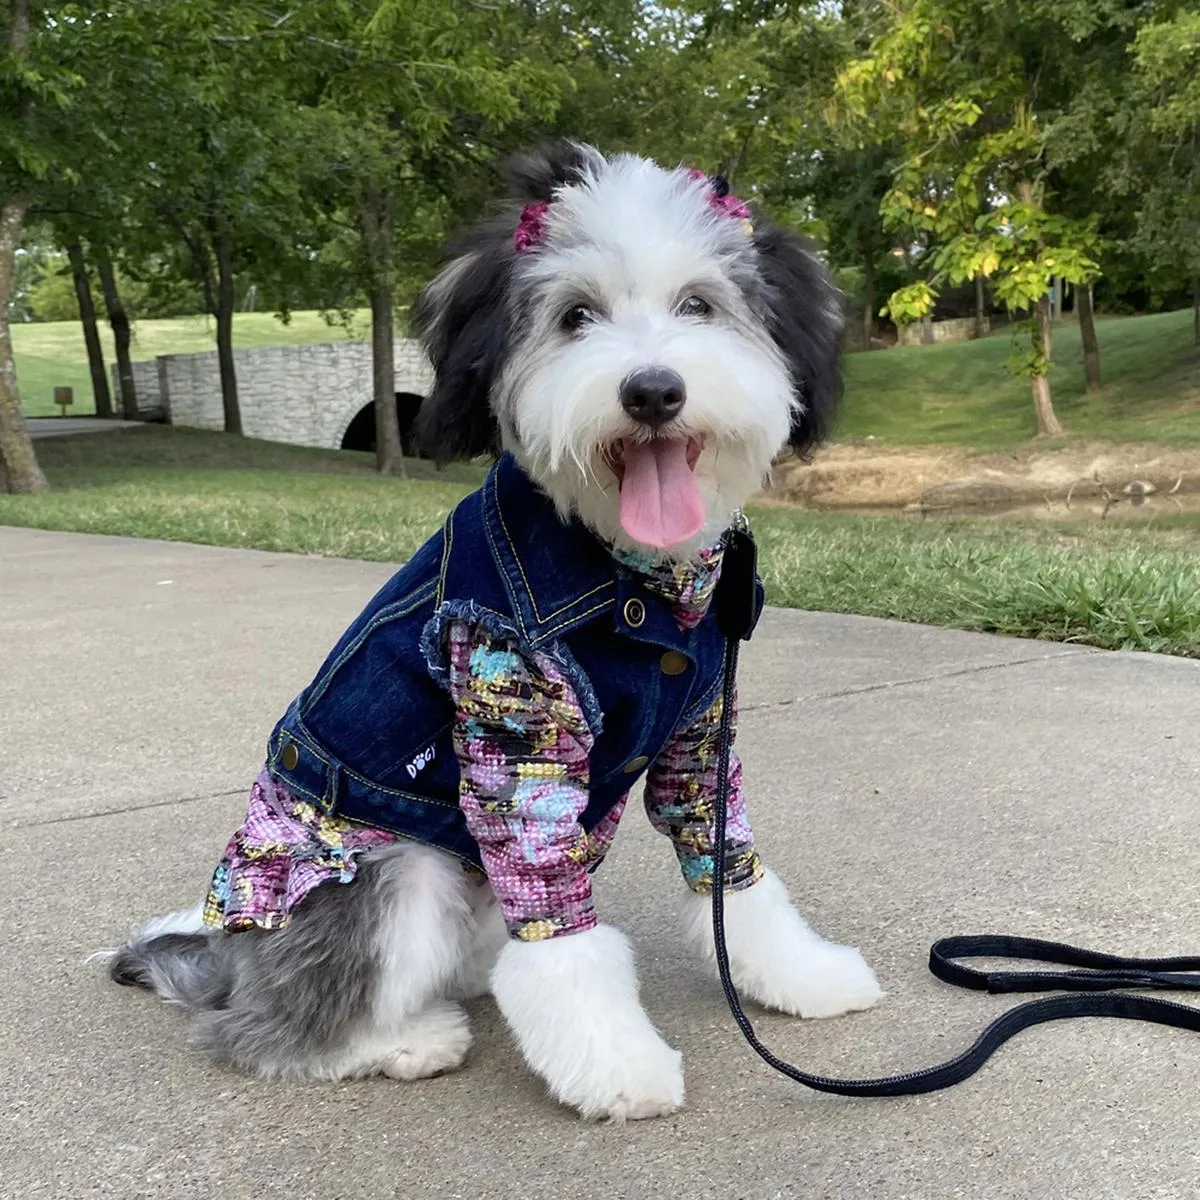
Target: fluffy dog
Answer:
pixel 637 350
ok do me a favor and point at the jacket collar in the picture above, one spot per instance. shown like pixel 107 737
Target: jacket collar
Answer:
pixel 558 574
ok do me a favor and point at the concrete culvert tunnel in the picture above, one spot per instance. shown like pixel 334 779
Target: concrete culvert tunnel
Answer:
pixel 360 433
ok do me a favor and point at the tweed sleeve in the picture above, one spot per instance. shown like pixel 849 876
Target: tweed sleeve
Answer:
pixel 680 794
pixel 523 743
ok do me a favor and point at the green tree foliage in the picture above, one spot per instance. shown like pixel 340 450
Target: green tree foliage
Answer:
pixel 395 99
pixel 48 294
pixel 984 95
pixel 752 83
pixel 317 154
pixel 1157 167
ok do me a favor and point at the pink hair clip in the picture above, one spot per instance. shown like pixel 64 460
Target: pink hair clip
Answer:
pixel 531 230
pixel 721 200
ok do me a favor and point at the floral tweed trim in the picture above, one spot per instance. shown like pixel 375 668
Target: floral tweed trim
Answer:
pixel 285 848
pixel 523 741
pixel 680 793
pixel 687 586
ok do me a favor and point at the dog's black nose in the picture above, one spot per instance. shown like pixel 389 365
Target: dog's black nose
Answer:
pixel 652 394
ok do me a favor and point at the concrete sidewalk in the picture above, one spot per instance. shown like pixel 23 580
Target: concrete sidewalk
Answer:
pixel 44 427
pixel 907 782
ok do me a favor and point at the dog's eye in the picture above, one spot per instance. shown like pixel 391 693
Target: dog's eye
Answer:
pixel 577 316
pixel 693 306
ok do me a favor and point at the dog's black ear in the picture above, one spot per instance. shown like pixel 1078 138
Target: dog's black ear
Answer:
pixel 462 320
pixel 805 316
pixel 462 317
pixel 537 175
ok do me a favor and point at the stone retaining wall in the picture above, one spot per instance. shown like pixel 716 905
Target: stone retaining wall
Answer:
pixel 306 395
pixel 921 333
pixel 145 383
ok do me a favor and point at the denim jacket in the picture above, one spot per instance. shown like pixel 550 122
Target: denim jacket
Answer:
pixel 370 738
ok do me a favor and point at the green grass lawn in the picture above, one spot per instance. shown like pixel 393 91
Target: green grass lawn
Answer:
pixel 1103 584
pixel 188 485
pixel 921 394
pixel 1120 587
pixel 961 393
pixel 52 354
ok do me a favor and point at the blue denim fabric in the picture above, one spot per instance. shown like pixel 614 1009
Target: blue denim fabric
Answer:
pixel 370 738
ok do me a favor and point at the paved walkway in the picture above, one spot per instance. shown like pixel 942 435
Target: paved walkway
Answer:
pixel 908 782
pixel 44 427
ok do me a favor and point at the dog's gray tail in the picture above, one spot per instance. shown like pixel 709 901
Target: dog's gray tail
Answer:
pixel 182 968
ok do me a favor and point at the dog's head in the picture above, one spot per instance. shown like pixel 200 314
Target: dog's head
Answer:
pixel 642 348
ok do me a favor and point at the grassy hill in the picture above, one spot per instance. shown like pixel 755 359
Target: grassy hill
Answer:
pixel 962 393
pixel 921 394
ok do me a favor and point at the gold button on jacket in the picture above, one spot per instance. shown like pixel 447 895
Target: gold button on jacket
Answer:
pixel 673 663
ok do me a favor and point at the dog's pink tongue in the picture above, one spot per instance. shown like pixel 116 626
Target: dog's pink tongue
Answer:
pixel 660 502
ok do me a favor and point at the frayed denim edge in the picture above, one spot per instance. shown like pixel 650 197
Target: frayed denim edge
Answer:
pixel 433 649
pixel 584 692
pixel 433 636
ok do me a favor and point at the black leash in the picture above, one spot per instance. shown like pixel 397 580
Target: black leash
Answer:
pixel 736 605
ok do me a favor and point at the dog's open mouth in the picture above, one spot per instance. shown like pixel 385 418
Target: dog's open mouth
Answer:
pixel 660 500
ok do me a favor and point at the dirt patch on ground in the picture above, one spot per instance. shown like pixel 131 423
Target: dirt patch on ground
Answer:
pixel 1075 480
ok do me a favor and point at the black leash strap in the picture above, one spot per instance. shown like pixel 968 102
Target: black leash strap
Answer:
pixel 1092 972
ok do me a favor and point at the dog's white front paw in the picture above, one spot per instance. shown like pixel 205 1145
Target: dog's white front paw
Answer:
pixel 818 980
pixel 572 1003
pixel 776 959
pixel 636 1075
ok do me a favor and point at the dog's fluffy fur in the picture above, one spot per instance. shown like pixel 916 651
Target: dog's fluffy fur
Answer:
pixel 370 977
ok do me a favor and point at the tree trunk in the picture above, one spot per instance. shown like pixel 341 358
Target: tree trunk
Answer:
pixel 1196 307
pixel 1043 406
pixel 1043 335
pixel 91 335
pixel 222 244
pixel 981 297
pixel 1087 335
pixel 868 297
pixel 119 320
pixel 377 224
pixel 21 472
pixel 731 167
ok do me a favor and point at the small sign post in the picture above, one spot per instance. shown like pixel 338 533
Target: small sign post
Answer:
pixel 64 397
